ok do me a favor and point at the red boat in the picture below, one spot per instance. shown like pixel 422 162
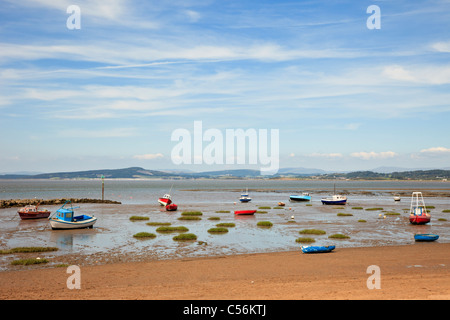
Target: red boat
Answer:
pixel 32 212
pixel 419 219
pixel 244 212
pixel 418 213
pixel 165 200
pixel 171 207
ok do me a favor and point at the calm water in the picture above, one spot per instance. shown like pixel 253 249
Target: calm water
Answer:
pixel 112 236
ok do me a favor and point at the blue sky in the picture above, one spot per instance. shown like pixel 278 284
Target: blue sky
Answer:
pixel 109 95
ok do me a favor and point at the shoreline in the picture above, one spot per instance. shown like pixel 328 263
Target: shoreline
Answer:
pixel 414 271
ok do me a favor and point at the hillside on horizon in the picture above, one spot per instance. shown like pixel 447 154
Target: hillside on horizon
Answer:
pixel 141 173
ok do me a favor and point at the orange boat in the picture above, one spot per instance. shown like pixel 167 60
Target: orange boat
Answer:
pixel 32 212
pixel 244 212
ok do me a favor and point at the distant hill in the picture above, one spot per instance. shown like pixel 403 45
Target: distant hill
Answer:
pixel 129 173
pixel 141 173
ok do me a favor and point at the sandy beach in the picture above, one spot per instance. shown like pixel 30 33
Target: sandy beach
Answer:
pixel 418 271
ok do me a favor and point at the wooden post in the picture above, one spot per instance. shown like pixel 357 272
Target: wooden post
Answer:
pixel 103 188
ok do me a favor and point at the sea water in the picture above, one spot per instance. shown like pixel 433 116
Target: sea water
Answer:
pixel 112 235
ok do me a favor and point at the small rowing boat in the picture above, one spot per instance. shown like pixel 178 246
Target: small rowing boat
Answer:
pixel 426 237
pixel 317 249
pixel 244 212
pixel 303 197
pixel 171 207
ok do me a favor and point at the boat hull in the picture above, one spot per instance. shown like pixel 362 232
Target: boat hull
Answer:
pixel 164 201
pixel 245 200
pixel 326 201
pixel 171 207
pixel 300 198
pixel 413 219
pixel 34 215
pixel 426 237
pixel 58 224
pixel 244 212
pixel 317 249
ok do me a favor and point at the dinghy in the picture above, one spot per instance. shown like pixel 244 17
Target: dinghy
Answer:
pixel 425 237
pixel 244 212
pixel 171 207
pixel 317 249
pixel 303 197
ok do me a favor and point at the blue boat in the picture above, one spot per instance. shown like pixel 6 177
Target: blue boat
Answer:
pixel 303 197
pixel 317 249
pixel 425 237
pixel 65 219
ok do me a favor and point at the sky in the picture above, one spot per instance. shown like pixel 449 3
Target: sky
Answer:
pixel 344 93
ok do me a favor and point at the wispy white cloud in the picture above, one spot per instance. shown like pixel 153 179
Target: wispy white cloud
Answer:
pixel 149 156
pixel 435 150
pixel 373 155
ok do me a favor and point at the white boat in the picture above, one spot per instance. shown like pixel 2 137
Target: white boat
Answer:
pixel 245 197
pixel 165 200
pixel 335 199
pixel 397 197
pixel 64 218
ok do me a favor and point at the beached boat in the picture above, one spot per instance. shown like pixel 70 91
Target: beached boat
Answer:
pixel 426 237
pixel 303 197
pixel 64 218
pixel 165 200
pixel 33 212
pixel 171 207
pixel 245 197
pixel 317 249
pixel 281 204
pixel 418 212
pixel 244 212
pixel 335 199
pixel 397 197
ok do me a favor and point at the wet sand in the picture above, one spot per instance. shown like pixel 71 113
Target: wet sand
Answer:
pixel 417 271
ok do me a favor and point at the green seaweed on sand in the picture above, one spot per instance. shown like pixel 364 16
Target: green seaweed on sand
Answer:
pixel 146 235
pixel 311 231
pixel 341 214
pixel 226 224
pixel 305 240
pixel 266 224
pixel 154 224
pixel 28 250
pixel 218 230
pixel 192 213
pixel 136 218
pixel 172 229
pixel 27 262
pixel 185 237
pixel 338 236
